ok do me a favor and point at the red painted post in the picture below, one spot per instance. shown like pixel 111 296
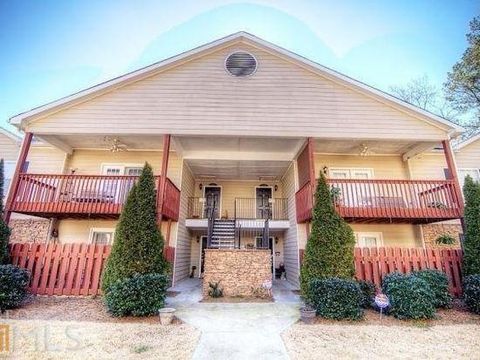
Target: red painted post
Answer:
pixel 447 149
pixel 22 158
pixel 163 178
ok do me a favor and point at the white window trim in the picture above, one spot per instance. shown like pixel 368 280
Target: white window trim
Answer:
pixel 100 230
pixel 122 165
pixel 350 169
pixel 359 234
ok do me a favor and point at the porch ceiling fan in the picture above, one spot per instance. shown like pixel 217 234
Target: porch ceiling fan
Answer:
pixel 365 150
pixel 114 144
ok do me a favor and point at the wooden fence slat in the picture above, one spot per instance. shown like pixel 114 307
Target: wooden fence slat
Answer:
pixel 374 264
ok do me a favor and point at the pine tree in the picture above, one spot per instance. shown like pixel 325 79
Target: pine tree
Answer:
pixel 138 243
pixel 471 244
pixel 4 230
pixel 329 250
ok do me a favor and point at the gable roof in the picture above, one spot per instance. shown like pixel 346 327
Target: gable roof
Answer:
pixel 21 120
pixel 10 135
pixel 468 141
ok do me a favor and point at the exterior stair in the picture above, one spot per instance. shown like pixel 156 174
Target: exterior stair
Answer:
pixel 223 234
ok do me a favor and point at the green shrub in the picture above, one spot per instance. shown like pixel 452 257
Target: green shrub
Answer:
pixel 445 239
pixel 410 297
pixel 4 230
pixel 471 243
pixel 13 286
pixel 215 291
pixel 329 249
pixel 140 295
pixel 336 298
pixel 138 244
pixel 471 293
pixel 368 293
pixel 438 282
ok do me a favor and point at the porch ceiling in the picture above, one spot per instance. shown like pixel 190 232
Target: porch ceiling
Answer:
pixel 238 169
pixel 81 141
pixel 375 147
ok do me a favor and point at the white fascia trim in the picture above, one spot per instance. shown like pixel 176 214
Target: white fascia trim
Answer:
pixel 332 75
pixel 10 135
pixel 18 120
pixel 468 141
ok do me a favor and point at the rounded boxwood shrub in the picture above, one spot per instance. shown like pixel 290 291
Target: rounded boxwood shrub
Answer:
pixel 140 295
pixel 471 292
pixel 410 297
pixel 13 286
pixel 335 298
pixel 368 291
pixel 438 282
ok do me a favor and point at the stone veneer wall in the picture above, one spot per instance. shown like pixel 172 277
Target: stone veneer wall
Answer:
pixel 29 230
pixel 241 272
pixel 432 231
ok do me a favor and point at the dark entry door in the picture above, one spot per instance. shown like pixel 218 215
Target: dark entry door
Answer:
pixel 212 201
pixel 263 196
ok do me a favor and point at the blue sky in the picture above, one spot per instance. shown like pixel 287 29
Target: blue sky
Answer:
pixel 50 49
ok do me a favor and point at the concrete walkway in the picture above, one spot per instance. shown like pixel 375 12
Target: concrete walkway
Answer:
pixel 236 330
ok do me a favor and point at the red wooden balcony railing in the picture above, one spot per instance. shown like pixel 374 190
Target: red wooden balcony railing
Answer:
pixel 70 196
pixel 417 201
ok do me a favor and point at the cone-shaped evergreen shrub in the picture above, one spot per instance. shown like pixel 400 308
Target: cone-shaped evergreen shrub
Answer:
pixel 471 245
pixel 4 230
pixel 138 243
pixel 329 250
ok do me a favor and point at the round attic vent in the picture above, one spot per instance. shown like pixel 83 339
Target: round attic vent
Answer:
pixel 241 64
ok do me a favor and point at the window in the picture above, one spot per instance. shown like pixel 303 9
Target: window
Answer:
pixel 369 239
pixel 121 169
pixel 101 236
pixel 350 173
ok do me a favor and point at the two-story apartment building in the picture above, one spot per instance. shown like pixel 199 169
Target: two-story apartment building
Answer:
pixel 237 132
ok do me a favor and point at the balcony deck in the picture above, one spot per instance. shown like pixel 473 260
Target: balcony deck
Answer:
pixel 386 201
pixel 84 196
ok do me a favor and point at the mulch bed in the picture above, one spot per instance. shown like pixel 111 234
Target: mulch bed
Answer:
pixel 67 308
pixel 456 315
pixel 237 299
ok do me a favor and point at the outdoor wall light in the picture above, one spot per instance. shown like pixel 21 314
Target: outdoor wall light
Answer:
pixel 200 186
pixel 325 170
pixel 276 240
pixel 275 187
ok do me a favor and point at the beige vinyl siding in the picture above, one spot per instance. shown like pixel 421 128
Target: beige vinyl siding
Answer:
pixel 45 160
pixel 290 245
pixel 236 189
pixel 200 97
pixel 384 167
pixel 184 237
pixel 89 162
pixel 394 235
pixel 78 231
pixel 469 156
pixel 9 148
pixel 428 167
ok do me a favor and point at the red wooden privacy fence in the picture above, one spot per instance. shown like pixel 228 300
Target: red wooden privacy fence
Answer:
pixel 372 264
pixel 65 269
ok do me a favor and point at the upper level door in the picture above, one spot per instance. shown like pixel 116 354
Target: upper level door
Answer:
pixel 263 197
pixel 212 201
